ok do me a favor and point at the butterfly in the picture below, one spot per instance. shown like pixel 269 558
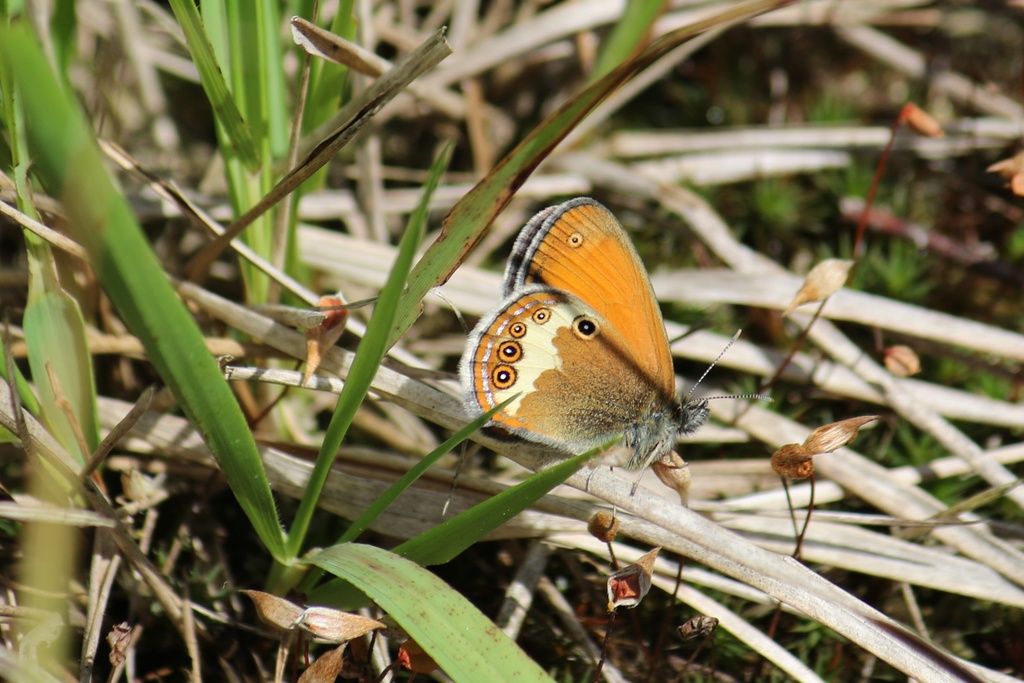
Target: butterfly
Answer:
pixel 579 340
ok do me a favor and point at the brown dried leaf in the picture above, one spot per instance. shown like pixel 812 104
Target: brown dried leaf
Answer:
pixel 628 586
pixel 118 639
pixel 920 121
pixel 137 487
pixel 902 361
pixel 334 626
pixel 674 473
pixel 832 437
pixel 274 611
pixel 824 280
pixel 327 666
pixel 603 526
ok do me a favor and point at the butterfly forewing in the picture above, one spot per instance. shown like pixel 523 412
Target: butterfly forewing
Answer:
pixel 579 247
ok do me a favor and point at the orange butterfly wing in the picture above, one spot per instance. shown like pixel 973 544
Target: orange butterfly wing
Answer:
pixel 571 374
pixel 581 248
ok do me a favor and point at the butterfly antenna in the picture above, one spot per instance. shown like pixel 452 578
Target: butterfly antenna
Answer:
pixel 756 397
pixel 689 394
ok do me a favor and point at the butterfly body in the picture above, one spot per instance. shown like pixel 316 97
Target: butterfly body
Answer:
pixel 579 339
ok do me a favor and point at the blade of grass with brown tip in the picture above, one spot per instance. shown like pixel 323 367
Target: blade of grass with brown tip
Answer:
pixel 465 224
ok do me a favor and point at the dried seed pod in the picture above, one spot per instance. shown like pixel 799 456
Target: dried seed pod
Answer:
pixel 274 611
pixel 674 473
pixel 603 526
pixel 796 461
pixel 322 337
pixel 793 461
pixel 902 361
pixel 1013 170
pixel 832 437
pixel 628 586
pixel 920 121
pixel 824 280
pixel 334 626
pixel 700 626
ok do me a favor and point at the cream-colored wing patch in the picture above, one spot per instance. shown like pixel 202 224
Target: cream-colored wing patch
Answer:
pixel 511 349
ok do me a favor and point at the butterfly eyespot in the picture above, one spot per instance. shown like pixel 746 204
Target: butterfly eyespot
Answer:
pixel 541 315
pixel 584 328
pixel 575 240
pixel 517 330
pixel 503 377
pixel 510 351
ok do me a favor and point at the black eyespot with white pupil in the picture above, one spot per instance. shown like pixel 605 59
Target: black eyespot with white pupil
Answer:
pixel 503 377
pixel 510 351
pixel 575 240
pixel 541 315
pixel 584 327
pixel 517 330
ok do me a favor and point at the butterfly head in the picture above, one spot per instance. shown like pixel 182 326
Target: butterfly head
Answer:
pixel 654 436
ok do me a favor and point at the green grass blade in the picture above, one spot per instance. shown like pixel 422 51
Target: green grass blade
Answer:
pixel 14 120
pixel 444 542
pixel 467 221
pixel 28 399
pixel 256 73
pixel 463 642
pixel 368 356
pixel 225 108
pixel 71 168
pixel 63 38
pixel 54 328
pixel 55 337
pixel 628 35
pixel 327 80
pixel 384 500
pixel 363 522
pixel 269 56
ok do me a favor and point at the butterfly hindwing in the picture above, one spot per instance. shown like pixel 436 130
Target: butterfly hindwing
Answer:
pixel 561 358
